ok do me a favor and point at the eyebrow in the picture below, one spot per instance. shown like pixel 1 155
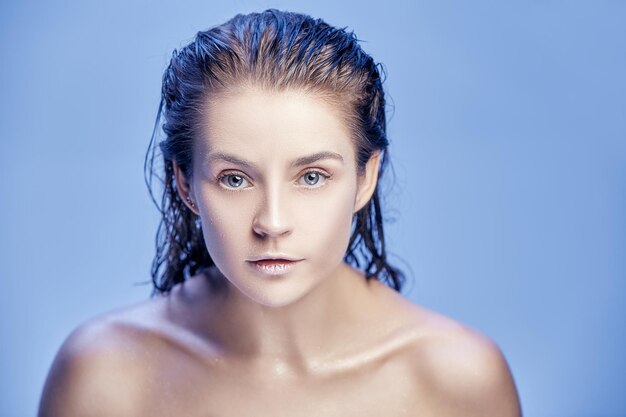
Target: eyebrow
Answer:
pixel 304 160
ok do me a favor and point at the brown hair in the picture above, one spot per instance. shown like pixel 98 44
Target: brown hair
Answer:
pixel 272 50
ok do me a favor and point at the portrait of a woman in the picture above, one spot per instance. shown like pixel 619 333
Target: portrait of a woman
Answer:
pixel 273 294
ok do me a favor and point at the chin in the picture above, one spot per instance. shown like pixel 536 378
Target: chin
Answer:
pixel 276 293
pixel 275 299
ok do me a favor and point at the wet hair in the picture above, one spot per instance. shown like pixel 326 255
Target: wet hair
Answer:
pixel 275 51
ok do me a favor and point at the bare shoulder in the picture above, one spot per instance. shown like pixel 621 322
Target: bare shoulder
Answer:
pixel 100 369
pixel 457 369
pixel 461 367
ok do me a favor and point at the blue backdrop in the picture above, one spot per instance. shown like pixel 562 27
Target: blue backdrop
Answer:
pixel 508 139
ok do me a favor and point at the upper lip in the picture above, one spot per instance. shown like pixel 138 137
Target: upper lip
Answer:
pixel 274 257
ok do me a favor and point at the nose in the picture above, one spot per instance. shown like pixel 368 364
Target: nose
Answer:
pixel 271 219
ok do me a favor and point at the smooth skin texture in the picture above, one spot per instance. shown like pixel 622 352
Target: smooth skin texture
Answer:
pixel 276 173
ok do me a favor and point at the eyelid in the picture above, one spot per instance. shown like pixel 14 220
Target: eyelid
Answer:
pixel 225 174
pixel 321 172
pixel 220 177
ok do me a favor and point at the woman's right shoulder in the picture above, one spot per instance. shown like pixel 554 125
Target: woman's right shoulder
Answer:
pixel 100 369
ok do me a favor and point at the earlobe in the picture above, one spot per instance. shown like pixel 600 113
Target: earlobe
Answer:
pixel 184 188
pixel 367 182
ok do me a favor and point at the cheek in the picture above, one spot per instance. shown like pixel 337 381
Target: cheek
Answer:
pixel 321 224
pixel 225 226
pixel 327 225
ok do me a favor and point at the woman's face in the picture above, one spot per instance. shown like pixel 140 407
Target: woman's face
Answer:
pixel 275 185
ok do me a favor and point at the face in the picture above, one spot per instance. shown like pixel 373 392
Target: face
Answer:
pixel 275 185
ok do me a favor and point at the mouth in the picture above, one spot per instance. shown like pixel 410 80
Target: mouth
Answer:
pixel 274 266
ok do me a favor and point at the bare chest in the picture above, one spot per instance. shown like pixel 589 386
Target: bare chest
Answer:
pixel 221 390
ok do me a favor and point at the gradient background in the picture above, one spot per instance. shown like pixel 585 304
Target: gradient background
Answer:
pixel 508 141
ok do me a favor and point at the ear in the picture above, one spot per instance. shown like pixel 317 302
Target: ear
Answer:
pixel 184 188
pixel 367 182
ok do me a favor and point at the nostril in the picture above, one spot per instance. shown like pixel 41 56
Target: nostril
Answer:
pixel 271 226
pixel 270 230
pixel 271 220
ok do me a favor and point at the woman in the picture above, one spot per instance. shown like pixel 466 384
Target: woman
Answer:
pixel 274 144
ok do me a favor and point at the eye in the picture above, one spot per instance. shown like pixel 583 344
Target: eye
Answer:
pixel 234 181
pixel 314 178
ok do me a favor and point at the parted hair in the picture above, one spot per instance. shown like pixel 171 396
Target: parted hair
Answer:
pixel 273 50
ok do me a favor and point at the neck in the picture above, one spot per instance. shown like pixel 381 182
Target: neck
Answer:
pixel 306 331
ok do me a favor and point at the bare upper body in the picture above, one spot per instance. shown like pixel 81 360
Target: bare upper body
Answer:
pixel 192 354
pixel 275 126
pixel 276 184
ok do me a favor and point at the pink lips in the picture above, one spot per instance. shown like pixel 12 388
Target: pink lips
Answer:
pixel 273 266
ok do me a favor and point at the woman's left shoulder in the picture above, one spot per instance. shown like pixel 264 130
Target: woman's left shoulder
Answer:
pixel 456 363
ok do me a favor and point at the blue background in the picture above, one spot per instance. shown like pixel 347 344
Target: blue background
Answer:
pixel 508 140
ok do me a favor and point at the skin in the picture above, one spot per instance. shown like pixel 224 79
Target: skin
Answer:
pixel 318 341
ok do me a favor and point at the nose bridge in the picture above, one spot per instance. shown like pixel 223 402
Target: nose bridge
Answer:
pixel 272 217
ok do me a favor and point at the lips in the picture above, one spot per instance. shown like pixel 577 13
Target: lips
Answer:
pixel 274 266
pixel 268 262
pixel 274 257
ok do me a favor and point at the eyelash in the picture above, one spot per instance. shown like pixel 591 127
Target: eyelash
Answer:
pixel 220 179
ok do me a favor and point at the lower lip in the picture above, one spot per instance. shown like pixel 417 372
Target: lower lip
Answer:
pixel 274 267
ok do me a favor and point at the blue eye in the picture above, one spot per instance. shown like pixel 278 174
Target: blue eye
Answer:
pixel 232 180
pixel 314 178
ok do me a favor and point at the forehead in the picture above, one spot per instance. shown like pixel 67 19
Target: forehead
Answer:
pixel 260 123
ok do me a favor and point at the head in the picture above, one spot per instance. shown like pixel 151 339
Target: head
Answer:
pixel 302 88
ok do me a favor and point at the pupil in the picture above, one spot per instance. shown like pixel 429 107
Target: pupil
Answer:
pixel 235 180
pixel 312 178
